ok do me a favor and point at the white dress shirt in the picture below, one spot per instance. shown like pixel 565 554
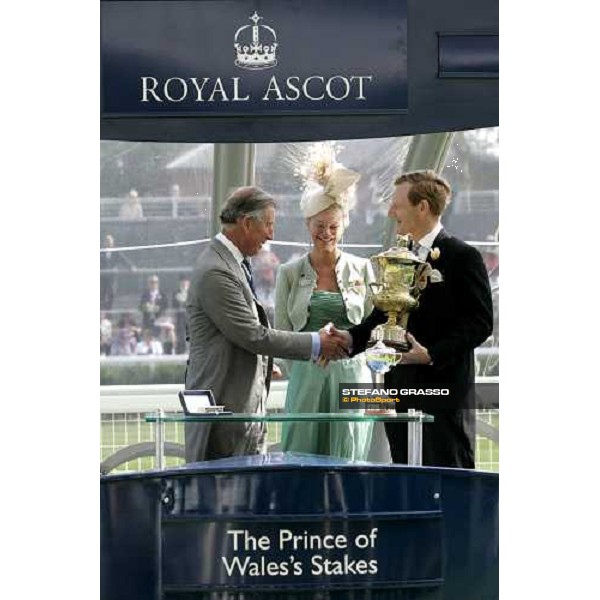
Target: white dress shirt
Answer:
pixel 426 242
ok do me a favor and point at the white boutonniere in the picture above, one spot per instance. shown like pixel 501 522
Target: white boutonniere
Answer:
pixel 435 276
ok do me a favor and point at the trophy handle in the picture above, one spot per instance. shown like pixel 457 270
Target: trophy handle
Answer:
pixel 415 292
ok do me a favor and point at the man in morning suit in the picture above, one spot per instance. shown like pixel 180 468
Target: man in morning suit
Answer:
pixel 453 318
pixel 231 342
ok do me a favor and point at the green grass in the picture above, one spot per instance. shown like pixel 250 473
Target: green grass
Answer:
pixel 488 453
pixel 120 430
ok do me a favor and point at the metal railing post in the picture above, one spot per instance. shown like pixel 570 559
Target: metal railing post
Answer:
pixel 159 439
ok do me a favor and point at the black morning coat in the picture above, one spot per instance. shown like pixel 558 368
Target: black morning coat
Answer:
pixel 453 318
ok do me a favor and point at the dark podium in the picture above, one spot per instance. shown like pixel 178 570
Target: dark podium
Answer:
pixel 299 526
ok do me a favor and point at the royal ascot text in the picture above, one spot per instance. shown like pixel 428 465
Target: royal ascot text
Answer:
pixel 291 89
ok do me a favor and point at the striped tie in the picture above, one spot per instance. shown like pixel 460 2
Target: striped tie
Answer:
pixel 420 251
pixel 248 273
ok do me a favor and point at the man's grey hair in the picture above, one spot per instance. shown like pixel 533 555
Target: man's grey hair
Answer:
pixel 245 202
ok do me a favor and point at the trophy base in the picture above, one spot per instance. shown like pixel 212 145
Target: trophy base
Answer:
pixel 390 335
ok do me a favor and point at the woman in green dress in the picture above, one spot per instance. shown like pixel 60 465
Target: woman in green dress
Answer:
pixel 324 286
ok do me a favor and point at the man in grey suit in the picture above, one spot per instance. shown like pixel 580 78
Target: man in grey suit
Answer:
pixel 231 343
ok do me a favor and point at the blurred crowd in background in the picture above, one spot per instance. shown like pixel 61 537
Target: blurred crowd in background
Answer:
pixel 156 198
pixel 157 325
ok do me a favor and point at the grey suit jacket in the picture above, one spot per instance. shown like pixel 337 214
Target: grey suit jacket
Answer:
pixel 228 350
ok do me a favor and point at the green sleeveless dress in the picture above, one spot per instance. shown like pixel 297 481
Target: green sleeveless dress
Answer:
pixel 314 389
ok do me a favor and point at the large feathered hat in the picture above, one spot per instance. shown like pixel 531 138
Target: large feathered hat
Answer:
pixel 326 181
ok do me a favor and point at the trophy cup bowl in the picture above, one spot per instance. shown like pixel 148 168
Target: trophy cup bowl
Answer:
pixel 396 291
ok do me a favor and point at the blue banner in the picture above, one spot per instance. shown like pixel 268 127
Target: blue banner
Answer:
pixel 297 525
pixel 253 57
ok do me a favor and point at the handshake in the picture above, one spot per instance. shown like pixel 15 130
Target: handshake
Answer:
pixel 335 344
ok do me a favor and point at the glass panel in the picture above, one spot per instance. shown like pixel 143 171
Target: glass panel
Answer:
pixel 472 168
pixel 119 430
pixel 472 171
pixel 378 161
pixel 173 185
pixel 285 417
pixel 154 196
